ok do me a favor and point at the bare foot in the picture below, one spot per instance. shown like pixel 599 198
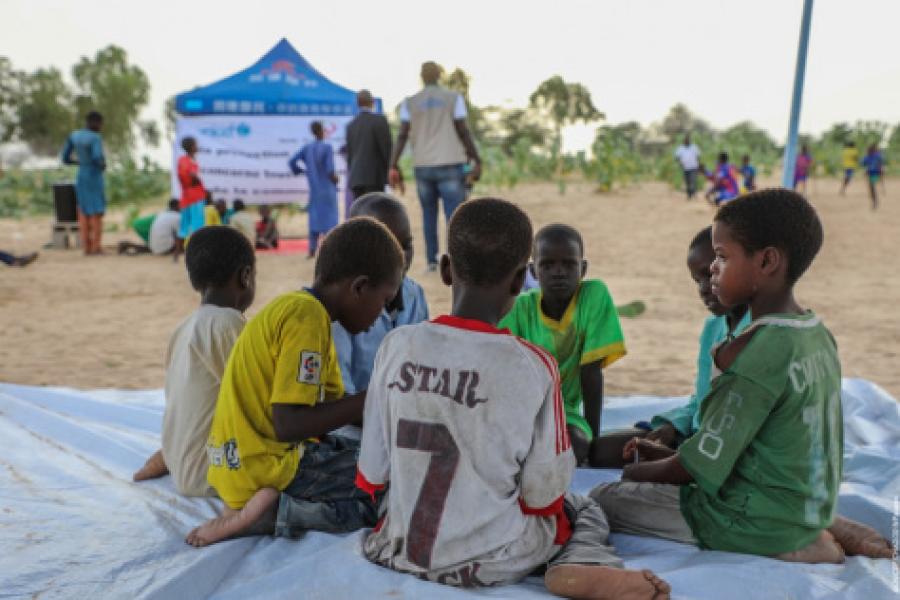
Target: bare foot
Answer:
pixel 153 468
pixel 858 539
pixel 593 582
pixel 256 518
pixel 824 549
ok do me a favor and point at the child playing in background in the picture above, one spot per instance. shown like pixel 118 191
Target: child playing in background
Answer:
pixel 322 210
pixel 673 427
pixel 356 353
pixel 802 169
pixel 761 475
pixel 724 182
pixel 576 321
pixel 243 221
pixel 874 165
pixel 465 424
pixel 749 173
pixel 193 195
pixel 158 231
pixel 221 266
pixel 266 229
pixel 849 160
pixel 282 387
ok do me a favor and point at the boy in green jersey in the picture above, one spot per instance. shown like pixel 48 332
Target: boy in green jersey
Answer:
pixel 761 475
pixel 576 321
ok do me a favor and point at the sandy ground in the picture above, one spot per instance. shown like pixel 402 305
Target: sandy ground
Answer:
pixel 104 322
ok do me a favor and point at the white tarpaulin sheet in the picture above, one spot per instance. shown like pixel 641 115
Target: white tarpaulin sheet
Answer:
pixel 246 156
pixel 73 525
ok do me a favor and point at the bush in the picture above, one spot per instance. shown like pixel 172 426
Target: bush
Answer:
pixel 25 193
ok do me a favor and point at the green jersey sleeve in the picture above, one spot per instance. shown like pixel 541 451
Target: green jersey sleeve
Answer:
pixel 603 338
pixel 730 417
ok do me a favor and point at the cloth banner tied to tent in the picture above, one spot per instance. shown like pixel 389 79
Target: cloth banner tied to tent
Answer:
pixel 246 156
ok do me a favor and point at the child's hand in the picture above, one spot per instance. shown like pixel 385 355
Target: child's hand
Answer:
pixel 665 435
pixel 645 450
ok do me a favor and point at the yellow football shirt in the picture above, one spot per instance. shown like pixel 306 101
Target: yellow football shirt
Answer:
pixel 850 158
pixel 284 355
pixel 211 215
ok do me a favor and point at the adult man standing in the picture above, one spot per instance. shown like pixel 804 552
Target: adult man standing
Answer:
pixel 87 145
pixel 368 148
pixel 688 156
pixel 322 209
pixel 434 122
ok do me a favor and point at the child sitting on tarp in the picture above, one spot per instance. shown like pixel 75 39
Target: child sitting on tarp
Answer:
pixel 672 427
pixel 762 473
pixel 576 321
pixel 356 353
pixel 221 266
pixel 282 387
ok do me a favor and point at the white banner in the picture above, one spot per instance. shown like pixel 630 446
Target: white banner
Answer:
pixel 246 157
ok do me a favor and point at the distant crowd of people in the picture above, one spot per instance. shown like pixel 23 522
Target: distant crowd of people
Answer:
pixel 728 182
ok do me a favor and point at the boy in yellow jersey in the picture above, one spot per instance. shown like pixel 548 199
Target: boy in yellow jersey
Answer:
pixel 282 386
pixel 849 160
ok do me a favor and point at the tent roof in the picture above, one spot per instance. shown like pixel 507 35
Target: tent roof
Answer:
pixel 279 83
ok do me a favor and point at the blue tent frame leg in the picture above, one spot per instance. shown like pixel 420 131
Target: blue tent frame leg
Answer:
pixel 790 147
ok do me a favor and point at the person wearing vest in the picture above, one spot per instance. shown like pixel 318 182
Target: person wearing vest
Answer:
pixel 434 123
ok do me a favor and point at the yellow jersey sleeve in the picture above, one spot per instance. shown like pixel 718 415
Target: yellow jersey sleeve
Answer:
pixel 306 366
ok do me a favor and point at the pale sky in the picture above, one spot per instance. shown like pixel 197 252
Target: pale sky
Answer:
pixel 727 60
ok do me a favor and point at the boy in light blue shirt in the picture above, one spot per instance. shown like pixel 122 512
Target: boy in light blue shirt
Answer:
pixel 356 353
pixel 682 422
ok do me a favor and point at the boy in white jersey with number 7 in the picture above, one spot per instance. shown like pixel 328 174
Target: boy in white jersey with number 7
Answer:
pixel 465 425
pixel 762 472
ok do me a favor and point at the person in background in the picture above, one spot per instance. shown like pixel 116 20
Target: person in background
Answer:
pixel 211 214
pixel 368 148
pixel 243 221
pixel 749 173
pixel 802 169
pixel 158 231
pixel 11 260
pixel 849 160
pixel 193 195
pixel 322 210
pixel 724 182
pixel 688 156
pixel 874 165
pixel 434 122
pixel 266 229
pixel 87 146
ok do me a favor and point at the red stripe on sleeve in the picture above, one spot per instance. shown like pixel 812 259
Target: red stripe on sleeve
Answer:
pixel 554 509
pixel 367 486
pixel 562 434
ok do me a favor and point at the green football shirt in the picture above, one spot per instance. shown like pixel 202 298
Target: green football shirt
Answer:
pixel 589 331
pixel 767 458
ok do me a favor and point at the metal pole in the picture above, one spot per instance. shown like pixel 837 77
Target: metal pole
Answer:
pixel 790 147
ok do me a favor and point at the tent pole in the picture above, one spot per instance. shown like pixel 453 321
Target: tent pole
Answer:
pixel 790 147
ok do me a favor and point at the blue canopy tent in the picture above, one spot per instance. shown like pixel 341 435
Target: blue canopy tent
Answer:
pixel 282 82
pixel 247 125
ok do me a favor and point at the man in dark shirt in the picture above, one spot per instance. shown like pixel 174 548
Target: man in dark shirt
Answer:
pixel 368 148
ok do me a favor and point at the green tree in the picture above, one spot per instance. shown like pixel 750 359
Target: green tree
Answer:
pixel 564 104
pixel 10 81
pixel 44 115
pixel 459 81
pixel 680 121
pixel 119 90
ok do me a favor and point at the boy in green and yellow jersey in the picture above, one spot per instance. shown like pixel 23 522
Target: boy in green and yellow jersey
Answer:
pixel 576 321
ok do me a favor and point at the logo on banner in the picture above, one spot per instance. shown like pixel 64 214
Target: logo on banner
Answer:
pixel 226 131
pixel 283 70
